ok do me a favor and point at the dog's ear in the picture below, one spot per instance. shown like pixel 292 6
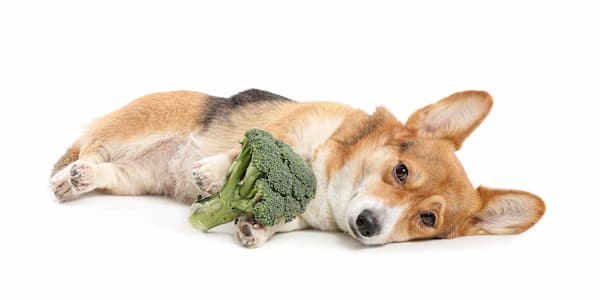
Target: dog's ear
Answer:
pixel 452 118
pixel 504 212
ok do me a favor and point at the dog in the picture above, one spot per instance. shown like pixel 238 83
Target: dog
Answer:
pixel 378 180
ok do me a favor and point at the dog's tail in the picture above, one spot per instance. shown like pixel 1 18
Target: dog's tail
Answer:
pixel 70 156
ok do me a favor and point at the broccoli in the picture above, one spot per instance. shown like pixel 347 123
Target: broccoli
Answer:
pixel 267 180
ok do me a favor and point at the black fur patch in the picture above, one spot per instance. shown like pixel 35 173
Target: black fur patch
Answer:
pixel 218 108
pixel 255 95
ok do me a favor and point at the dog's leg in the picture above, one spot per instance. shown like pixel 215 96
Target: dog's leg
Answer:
pixel 91 171
pixel 210 173
pixel 73 180
pixel 78 176
pixel 81 177
pixel 252 235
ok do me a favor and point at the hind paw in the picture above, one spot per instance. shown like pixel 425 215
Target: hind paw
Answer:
pixel 82 176
pixel 75 179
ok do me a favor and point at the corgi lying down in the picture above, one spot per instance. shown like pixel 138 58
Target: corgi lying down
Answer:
pixel 379 180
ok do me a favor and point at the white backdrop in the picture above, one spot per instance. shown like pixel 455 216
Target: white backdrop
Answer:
pixel 64 63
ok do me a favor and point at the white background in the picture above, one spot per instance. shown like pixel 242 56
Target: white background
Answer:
pixel 62 64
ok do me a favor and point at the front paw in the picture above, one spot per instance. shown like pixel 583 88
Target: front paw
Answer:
pixel 249 233
pixel 210 173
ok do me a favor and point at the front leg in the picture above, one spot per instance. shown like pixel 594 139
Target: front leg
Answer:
pixel 210 173
pixel 252 235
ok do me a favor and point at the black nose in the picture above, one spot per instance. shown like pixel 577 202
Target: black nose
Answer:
pixel 367 224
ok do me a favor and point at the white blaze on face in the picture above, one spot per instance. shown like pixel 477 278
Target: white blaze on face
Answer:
pixel 386 216
pixel 340 191
pixel 347 199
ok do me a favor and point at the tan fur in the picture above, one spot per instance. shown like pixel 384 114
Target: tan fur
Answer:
pixel 171 113
pixel 142 137
pixel 528 208
pixel 151 146
pixel 444 127
pixel 438 181
pixel 70 156
pixel 359 129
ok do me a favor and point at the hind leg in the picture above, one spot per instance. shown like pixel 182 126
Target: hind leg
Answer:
pixel 82 177
pixel 73 180
pixel 78 176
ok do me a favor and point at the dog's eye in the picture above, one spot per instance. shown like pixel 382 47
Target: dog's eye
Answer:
pixel 428 219
pixel 401 172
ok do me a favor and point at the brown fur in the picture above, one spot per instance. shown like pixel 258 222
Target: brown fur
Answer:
pixel 144 144
pixel 446 129
pixel 174 116
pixel 492 203
pixel 70 156
pixel 439 183
pixel 357 130
pixel 160 113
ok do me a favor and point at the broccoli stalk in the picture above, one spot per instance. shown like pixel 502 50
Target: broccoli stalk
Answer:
pixel 267 180
pixel 219 208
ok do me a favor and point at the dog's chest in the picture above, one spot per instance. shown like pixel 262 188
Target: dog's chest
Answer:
pixel 319 213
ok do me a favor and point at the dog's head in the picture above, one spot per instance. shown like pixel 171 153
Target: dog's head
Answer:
pixel 390 182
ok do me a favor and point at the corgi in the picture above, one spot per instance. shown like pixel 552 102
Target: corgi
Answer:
pixel 378 180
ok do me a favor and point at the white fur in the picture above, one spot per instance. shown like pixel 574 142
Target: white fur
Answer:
pixel 341 200
pixel 60 184
pixel 141 167
pixel 388 216
pixel 135 168
pixel 210 173
pixel 179 170
pixel 255 234
pixel 339 193
pixel 312 133
pixel 251 235
pixel 455 117
pixel 505 211
pixel 319 212
pixel 83 176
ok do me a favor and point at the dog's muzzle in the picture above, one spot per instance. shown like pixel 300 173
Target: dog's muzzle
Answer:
pixel 366 225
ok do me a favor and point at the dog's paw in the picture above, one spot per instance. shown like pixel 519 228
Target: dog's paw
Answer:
pixel 73 180
pixel 249 233
pixel 210 173
pixel 60 185
pixel 82 176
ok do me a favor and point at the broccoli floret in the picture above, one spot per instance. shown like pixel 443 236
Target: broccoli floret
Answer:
pixel 267 180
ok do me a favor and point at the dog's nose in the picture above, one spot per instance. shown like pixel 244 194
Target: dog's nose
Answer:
pixel 367 224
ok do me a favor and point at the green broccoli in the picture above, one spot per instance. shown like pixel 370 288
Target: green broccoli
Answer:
pixel 267 180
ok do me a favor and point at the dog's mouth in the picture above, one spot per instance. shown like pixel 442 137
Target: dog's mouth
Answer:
pixel 354 231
